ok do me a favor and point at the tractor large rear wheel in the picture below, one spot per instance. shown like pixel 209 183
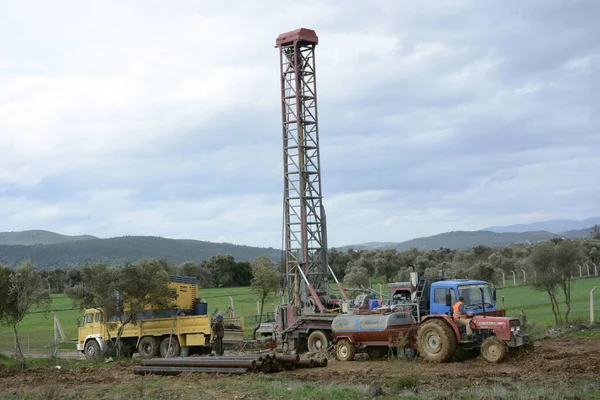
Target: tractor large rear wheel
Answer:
pixel 494 350
pixel 437 342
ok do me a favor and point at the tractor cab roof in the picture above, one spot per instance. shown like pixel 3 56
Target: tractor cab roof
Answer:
pixel 458 282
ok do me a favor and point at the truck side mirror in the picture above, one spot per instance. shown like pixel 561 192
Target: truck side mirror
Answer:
pixel 448 299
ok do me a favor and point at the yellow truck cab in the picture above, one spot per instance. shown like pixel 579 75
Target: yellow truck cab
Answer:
pixel 184 329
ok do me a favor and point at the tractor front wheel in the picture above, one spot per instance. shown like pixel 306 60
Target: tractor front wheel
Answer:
pixel 437 341
pixel 494 350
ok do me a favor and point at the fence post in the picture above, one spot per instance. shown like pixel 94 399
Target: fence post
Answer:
pixel 524 280
pixel 514 278
pixel 503 278
pixel 29 343
pixel 580 273
pixel 588 269
pixel 534 276
pixel 592 320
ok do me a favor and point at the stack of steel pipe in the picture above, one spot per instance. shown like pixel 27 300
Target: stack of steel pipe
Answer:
pixel 312 363
pixel 266 363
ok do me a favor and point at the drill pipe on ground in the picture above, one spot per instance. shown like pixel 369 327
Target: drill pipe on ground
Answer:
pixel 287 359
pixel 306 363
pixel 162 370
pixel 252 357
pixel 266 366
pixel 198 362
pixel 257 357
pixel 320 362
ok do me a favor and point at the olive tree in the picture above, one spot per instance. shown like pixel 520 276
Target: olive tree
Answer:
pixel 26 289
pixel 566 254
pixel 542 259
pixel 265 282
pixel 140 285
pixel 123 293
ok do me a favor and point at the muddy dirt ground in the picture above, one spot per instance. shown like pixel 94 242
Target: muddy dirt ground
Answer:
pixel 561 365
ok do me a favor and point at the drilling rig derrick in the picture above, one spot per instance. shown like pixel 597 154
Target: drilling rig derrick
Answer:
pixel 304 215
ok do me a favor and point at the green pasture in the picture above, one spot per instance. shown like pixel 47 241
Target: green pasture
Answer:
pixel 37 327
pixel 536 304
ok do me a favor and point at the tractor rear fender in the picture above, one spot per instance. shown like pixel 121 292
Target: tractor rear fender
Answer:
pixel 448 320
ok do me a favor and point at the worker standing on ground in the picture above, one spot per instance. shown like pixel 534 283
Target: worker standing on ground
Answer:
pixel 218 331
pixel 459 313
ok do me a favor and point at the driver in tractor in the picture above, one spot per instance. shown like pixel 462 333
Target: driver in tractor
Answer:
pixel 461 317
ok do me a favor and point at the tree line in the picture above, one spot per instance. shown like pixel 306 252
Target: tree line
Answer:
pixel 550 266
pixel 124 292
pixel 221 270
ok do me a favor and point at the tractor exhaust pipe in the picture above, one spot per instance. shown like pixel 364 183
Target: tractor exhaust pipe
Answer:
pixel 482 301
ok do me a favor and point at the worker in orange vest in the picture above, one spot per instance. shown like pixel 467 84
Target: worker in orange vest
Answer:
pixel 459 313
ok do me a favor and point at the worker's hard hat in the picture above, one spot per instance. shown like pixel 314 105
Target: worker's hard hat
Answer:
pixel 219 316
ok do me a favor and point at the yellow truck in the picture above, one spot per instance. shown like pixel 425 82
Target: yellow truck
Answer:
pixel 184 329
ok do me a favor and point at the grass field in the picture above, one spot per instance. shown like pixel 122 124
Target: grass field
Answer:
pixel 37 327
pixel 536 304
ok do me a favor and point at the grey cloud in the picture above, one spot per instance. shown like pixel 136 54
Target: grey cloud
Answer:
pixel 433 116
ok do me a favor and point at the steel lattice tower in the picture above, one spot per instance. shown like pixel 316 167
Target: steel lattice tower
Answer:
pixel 305 231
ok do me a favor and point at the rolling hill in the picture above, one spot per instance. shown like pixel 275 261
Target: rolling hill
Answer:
pixel 555 226
pixel 38 237
pixel 52 250
pixel 462 240
pixel 115 251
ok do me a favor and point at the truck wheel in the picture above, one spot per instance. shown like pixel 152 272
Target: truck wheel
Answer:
pixel 173 351
pixel 92 350
pixel 377 351
pixel 148 347
pixel 318 341
pixel 494 350
pixel 437 342
pixel 344 350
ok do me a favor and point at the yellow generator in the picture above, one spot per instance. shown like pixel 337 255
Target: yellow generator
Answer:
pixel 186 288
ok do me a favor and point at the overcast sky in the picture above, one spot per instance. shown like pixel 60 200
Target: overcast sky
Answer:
pixel 163 117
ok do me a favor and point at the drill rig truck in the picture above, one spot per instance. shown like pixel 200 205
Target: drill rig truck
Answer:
pixel 306 321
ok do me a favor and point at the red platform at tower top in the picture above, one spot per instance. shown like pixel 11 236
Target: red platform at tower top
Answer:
pixel 302 34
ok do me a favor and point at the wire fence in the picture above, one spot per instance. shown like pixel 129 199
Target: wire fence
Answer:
pixel 33 343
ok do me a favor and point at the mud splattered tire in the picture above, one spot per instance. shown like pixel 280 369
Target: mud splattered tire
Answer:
pixel 148 347
pixel 344 350
pixel 437 341
pixel 318 341
pixel 173 351
pixel 494 350
pixel 377 351
pixel 92 350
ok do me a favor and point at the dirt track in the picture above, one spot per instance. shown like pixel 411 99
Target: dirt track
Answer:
pixel 553 361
